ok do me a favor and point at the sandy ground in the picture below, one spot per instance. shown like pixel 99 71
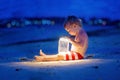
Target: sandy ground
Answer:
pixel 88 69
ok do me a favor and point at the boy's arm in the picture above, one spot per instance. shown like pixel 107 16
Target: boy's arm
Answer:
pixel 80 43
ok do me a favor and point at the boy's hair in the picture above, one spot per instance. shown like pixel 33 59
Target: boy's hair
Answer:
pixel 73 20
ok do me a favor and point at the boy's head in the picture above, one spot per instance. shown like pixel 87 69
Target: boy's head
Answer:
pixel 72 25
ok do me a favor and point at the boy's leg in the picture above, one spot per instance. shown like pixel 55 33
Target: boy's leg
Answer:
pixel 49 58
pixel 39 58
pixel 68 56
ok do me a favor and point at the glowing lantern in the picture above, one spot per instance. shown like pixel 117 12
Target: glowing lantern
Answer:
pixel 63 45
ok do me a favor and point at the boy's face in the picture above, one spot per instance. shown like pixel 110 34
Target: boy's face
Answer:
pixel 72 29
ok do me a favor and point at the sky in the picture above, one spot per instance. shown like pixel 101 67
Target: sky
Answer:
pixel 62 8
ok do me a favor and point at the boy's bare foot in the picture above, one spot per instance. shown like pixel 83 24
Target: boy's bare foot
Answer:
pixel 39 58
pixel 41 53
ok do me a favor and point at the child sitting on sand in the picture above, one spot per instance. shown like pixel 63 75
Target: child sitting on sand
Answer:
pixel 79 43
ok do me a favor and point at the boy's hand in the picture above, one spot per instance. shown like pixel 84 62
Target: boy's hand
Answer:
pixel 70 39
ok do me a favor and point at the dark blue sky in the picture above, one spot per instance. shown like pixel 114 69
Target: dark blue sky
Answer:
pixel 38 8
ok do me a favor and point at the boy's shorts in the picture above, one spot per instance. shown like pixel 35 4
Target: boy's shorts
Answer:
pixel 72 55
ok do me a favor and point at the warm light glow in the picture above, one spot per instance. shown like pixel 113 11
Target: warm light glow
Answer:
pixel 83 62
pixel 63 39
